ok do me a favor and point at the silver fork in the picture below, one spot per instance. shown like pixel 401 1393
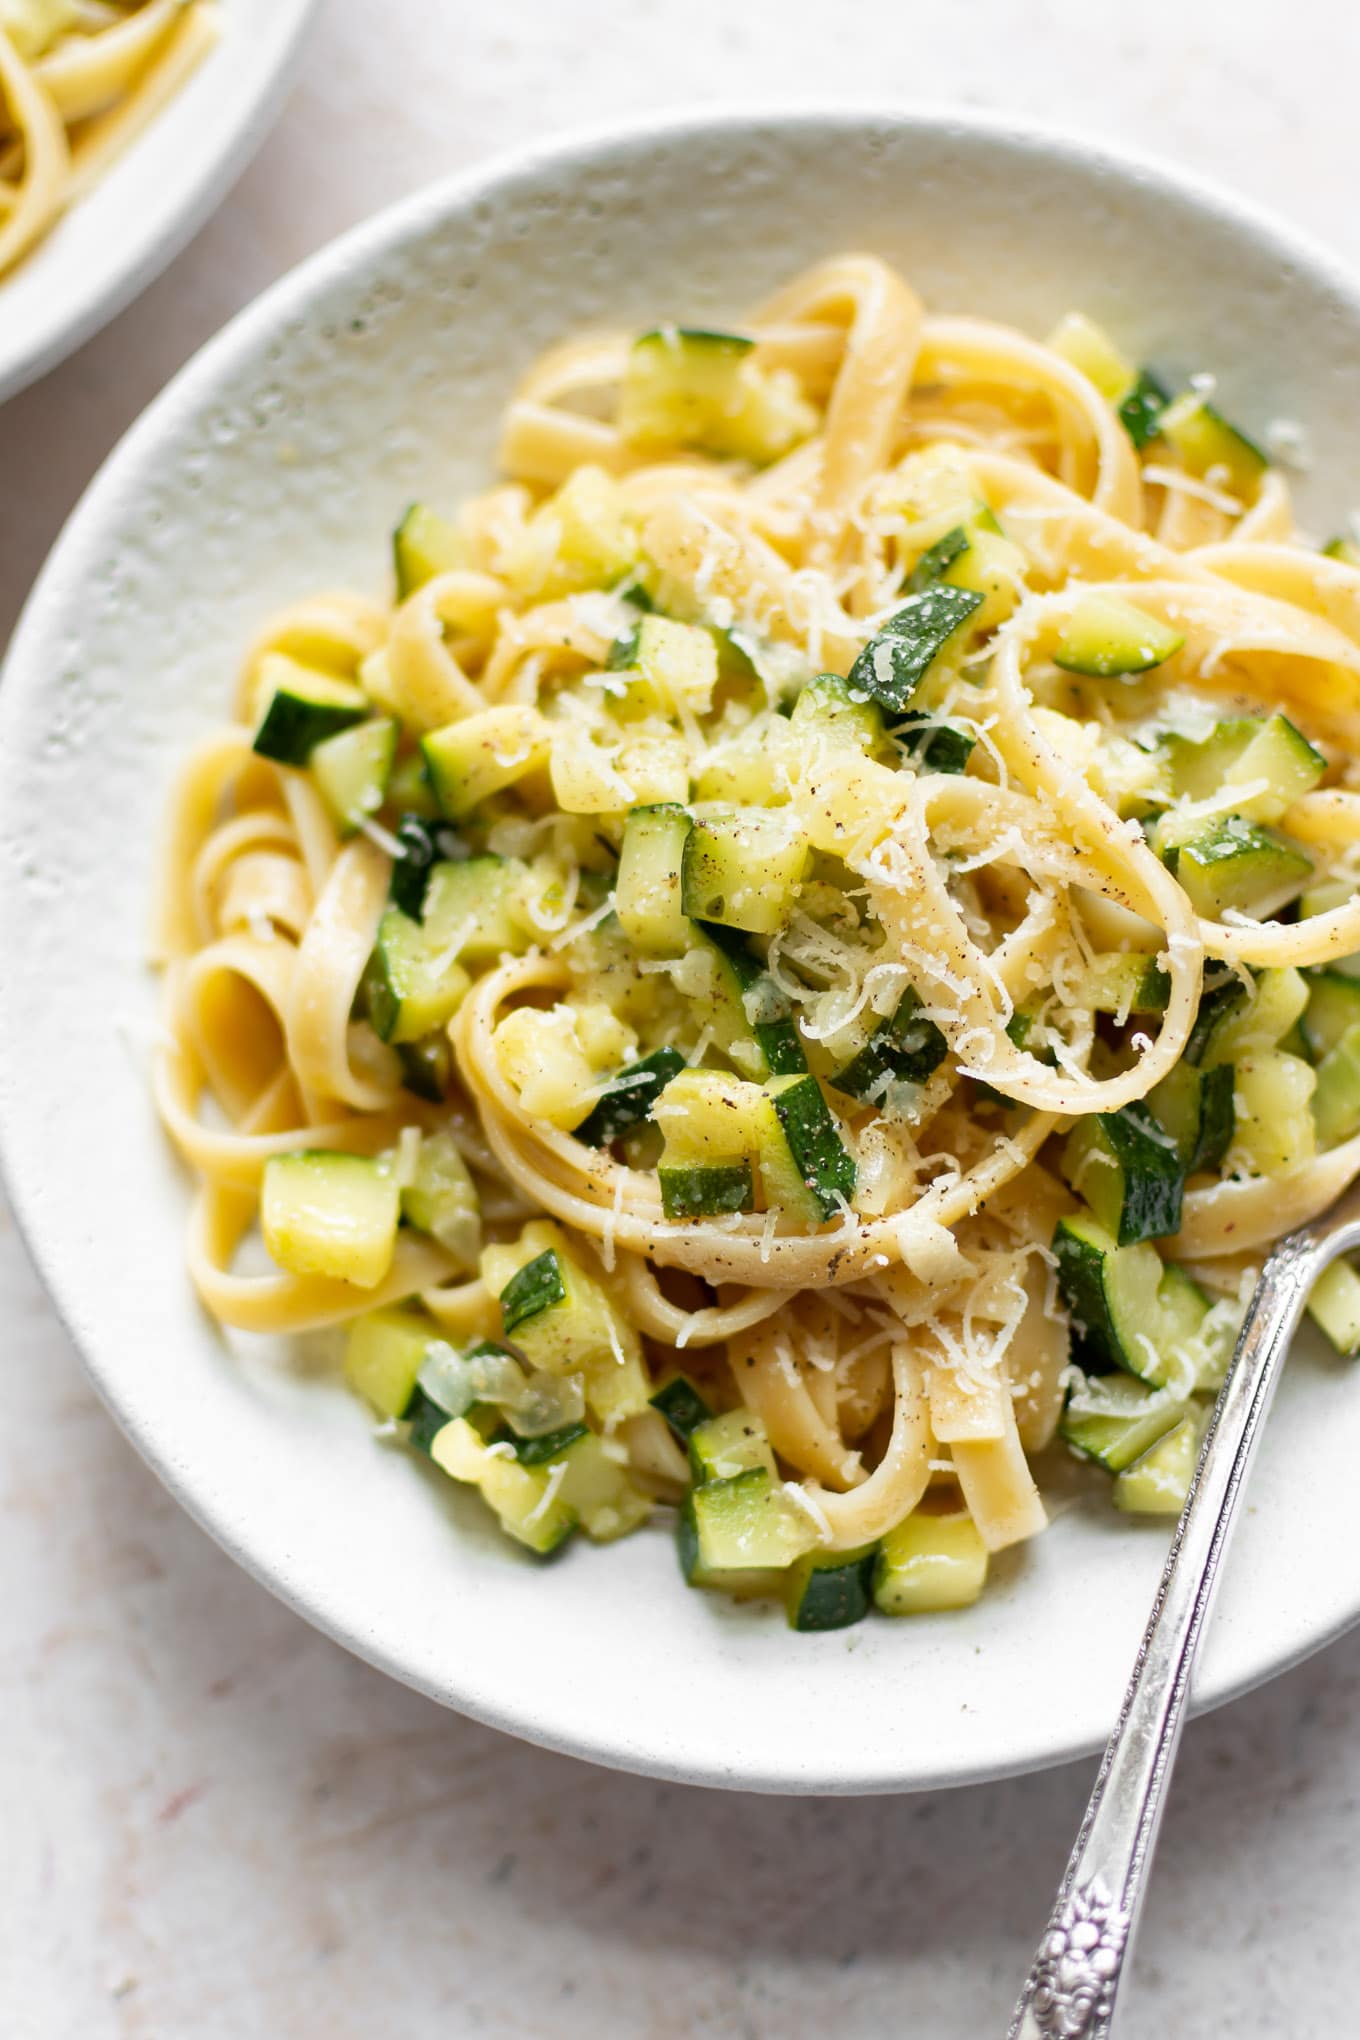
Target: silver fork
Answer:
pixel 1080 1962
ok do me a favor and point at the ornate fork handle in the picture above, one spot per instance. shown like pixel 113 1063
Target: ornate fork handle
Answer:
pixel 1070 1991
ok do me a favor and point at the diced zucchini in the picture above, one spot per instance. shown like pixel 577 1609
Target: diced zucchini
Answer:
pixel 935 743
pixel 1195 1106
pixel 906 1048
pixel 469 760
pixel 409 788
pixel 681 1404
pixel 424 544
pixel 722 1447
pixel 416 978
pixel 1107 637
pixel 426 1418
pixel 829 1589
pixel 712 1133
pixel 833 710
pixel 427 1066
pixel 1282 757
pixel 529 1504
pixel 541 1450
pixel 937 559
pixel 562 1320
pixel 351 771
pixel 1343 548
pixel 1140 410
pixel 328 1213
pixel 1090 349
pixel 1334 1307
pixel 1127 1168
pixel 1195 765
pixel 1333 1009
pixel 688 387
pixel 991 567
pixel 743 868
pixel 648 891
pixel 1234 865
pixel 1210 447
pixel 597 1488
pixel 441 1199
pixel 678 663
pixel 420 852
pixel 584 536
pixel 897 658
pixel 748 1014
pixel 1128 1310
pixel 747 1522
pixel 383 1356
pixel 1131 1418
pixel 1233 1022
pixel 929 1563
pixel 1158 1481
pixel 1123 984
pixel 630 1097
pixel 1272 1094
pixel 299 707
pixel 486 898
pixel 1336 1100
pixel 704 1190
pixel 807 1170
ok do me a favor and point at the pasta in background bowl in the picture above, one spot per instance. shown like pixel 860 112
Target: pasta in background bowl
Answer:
pixel 743 661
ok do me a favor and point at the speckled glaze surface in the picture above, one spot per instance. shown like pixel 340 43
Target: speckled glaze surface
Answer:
pixel 274 464
pixel 155 196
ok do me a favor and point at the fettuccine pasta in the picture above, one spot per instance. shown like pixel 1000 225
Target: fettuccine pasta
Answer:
pixel 79 80
pixel 804 956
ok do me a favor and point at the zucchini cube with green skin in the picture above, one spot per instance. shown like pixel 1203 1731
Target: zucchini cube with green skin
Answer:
pixel 711 1130
pixel 413 984
pixel 1233 864
pixel 748 1522
pixel 1158 1481
pixel 648 891
pixel 1233 1022
pixel 806 1170
pixel 1127 1168
pixel 383 1355
pixel 678 664
pixel 298 707
pixel 829 1589
pixel 530 1508
pixel 1336 1100
pixel 1210 447
pixel 937 559
pixel 427 1067
pixel 1333 1009
pixel 1334 1307
pixel 1123 985
pixel 1118 1422
pixel 469 760
pixel 1108 638
pixel 935 744
pixel 747 1013
pixel 441 1199
pixel 905 1048
pixel 835 712
pixel 1090 349
pixel 562 1320
pixel 683 1407
pixel 1344 548
pixel 1128 1310
pixel 1141 408
pixel 1281 756
pixel 896 660
pixel 740 1583
pixel 1196 1109
pixel 722 1447
pixel 690 387
pixel 629 1099
pixel 743 868
pixel 352 769
pixel 992 567
pixel 928 1563
pixel 425 544
pixel 1274 1102
pixel 328 1213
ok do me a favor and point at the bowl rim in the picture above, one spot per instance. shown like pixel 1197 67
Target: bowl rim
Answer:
pixel 74 317
pixel 393 224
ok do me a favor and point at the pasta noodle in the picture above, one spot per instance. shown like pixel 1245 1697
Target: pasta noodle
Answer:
pixel 822 923
pixel 79 80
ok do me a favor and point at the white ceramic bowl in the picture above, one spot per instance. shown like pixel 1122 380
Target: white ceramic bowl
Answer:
pixel 275 463
pixel 138 217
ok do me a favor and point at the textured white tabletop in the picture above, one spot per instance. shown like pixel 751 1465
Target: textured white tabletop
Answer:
pixel 213 1824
